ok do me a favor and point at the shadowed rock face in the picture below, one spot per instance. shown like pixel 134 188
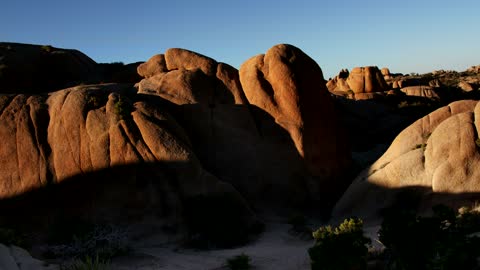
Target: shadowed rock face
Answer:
pixel 100 149
pixel 35 69
pixel 438 153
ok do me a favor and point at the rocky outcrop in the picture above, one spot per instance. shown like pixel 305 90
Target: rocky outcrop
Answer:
pixel 386 73
pixel 186 77
pixel 289 85
pixel 366 80
pixel 465 86
pixel 34 68
pixel 474 69
pixel 104 151
pixel 437 155
pixel 273 150
pixel 156 64
pixel 420 91
pixel 339 82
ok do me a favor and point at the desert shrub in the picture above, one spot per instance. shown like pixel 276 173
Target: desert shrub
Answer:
pixel 339 248
pixel 122 108
pixel 442 241
pixel 46 48
pixel 88 263
pixel 239 262
pixel 217 221
pixel 12 237
pixel 421 145
pixel 102 241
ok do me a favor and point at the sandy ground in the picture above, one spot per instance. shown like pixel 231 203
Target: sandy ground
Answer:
pixel 275 249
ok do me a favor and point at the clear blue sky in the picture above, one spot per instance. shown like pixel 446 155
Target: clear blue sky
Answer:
pixel 406 36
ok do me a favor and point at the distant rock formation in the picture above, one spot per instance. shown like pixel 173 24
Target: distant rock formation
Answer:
pixel 362 83
pixel 420 91
pixel 339 82
pixel 465 86
pixel 474 69
pixel 437 155
pixel 366 80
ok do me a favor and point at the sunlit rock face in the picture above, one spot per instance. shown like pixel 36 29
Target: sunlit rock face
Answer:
pixel 366 80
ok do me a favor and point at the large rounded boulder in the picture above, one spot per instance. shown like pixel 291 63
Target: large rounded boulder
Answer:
pixel 185 77
pixel 270 129
pixel 366 80
pixel 105 153
pixel 289 86
pixel 436 159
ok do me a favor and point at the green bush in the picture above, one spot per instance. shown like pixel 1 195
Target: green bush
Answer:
pixel 340 248
pixel 239 262
pixel 46 48
pixel 442 241
pixel 122 108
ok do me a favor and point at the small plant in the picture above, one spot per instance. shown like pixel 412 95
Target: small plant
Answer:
pixel 477 142
pixel 122 108
pixel 421 145
pixel 239 262
pixel 88 264
pixel 46 48
pixel 342 247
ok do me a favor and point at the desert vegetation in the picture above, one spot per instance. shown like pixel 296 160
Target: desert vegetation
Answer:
pixel 239 262
pixel 338 248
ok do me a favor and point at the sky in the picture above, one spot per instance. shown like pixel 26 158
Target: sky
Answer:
pixel 406 36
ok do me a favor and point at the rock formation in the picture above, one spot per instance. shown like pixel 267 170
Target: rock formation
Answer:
pixel 34 69
pixel 274 150
pixel 289 85
pixel 437 155
pixel 339 82
pixel 186 77
pixel 420 91
pixel 108 153
pixel 474 69
pixel 465 86
pixel 366 80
